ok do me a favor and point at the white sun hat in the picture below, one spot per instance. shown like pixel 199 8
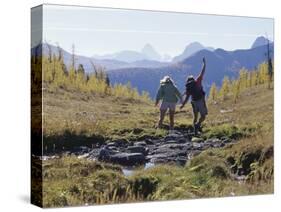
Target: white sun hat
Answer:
pixel 166 79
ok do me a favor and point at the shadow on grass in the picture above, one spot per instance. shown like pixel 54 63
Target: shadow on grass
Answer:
pixel 65 142
pixel 70 142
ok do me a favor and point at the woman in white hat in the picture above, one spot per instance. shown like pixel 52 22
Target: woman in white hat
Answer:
pixel 169 94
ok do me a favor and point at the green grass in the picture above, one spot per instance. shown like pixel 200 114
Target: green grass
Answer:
pixel 73 118
pixel 72 181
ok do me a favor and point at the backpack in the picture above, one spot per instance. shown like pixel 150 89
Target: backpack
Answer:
pixel 195 91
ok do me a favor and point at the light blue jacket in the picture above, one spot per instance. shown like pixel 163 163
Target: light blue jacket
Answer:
pixel 168 92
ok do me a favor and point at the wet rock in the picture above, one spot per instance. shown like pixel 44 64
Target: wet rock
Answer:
pixel 140 143
pixel 171 142
pixel 189 135
pixel 128 159
pixel 111 144
pixel 104 154
pixel 171 146
pixel 94 153
pixel 151 148
pixel 197 146
pixel 184 140
pixel 119 143
pixel 137 149
pixel 149 141
pixel 166 155
pixel 172 149
pixel 174 136
pixel 113 148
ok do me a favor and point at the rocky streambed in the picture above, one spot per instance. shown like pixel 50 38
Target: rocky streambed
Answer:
pixel 177 148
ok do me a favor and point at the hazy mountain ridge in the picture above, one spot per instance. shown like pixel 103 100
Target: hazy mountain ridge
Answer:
pixel 109 64
pixel 145 74
pixel 260 41
pixel 129 56
pixel 191 49
pixel 220 63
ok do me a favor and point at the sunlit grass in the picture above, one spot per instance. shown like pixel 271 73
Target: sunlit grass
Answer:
pixel 86 119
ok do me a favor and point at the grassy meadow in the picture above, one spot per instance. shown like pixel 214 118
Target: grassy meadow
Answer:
pixel 94 118
pixel 82 110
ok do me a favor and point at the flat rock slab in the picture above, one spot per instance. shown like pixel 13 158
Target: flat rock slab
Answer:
pixel 140 143
pixel 174 136
pixel 128 159
pixel 137 149
pixel 175 147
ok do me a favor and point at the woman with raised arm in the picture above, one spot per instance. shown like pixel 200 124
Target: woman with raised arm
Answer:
pixel 194 89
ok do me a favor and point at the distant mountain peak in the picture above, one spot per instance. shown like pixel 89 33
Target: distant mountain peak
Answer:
pixel 260 41
pixel 147 46
pixel 191 49
pixel 195 44
pixel 150 52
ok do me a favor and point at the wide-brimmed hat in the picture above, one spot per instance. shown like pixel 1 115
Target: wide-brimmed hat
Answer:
pixel 166 79
pixel 190 78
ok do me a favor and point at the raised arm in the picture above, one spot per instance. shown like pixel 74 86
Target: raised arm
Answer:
pixel 200 77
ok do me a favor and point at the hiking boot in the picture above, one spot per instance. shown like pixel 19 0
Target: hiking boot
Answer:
pixel 197 129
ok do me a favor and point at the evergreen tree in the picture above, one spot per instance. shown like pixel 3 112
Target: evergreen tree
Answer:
pixel 107 80
pixel 81 69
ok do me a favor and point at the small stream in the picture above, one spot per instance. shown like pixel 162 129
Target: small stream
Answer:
pixel 176 148
pixel 128 171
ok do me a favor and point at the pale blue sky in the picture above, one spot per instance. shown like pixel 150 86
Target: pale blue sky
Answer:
pixel 101 31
